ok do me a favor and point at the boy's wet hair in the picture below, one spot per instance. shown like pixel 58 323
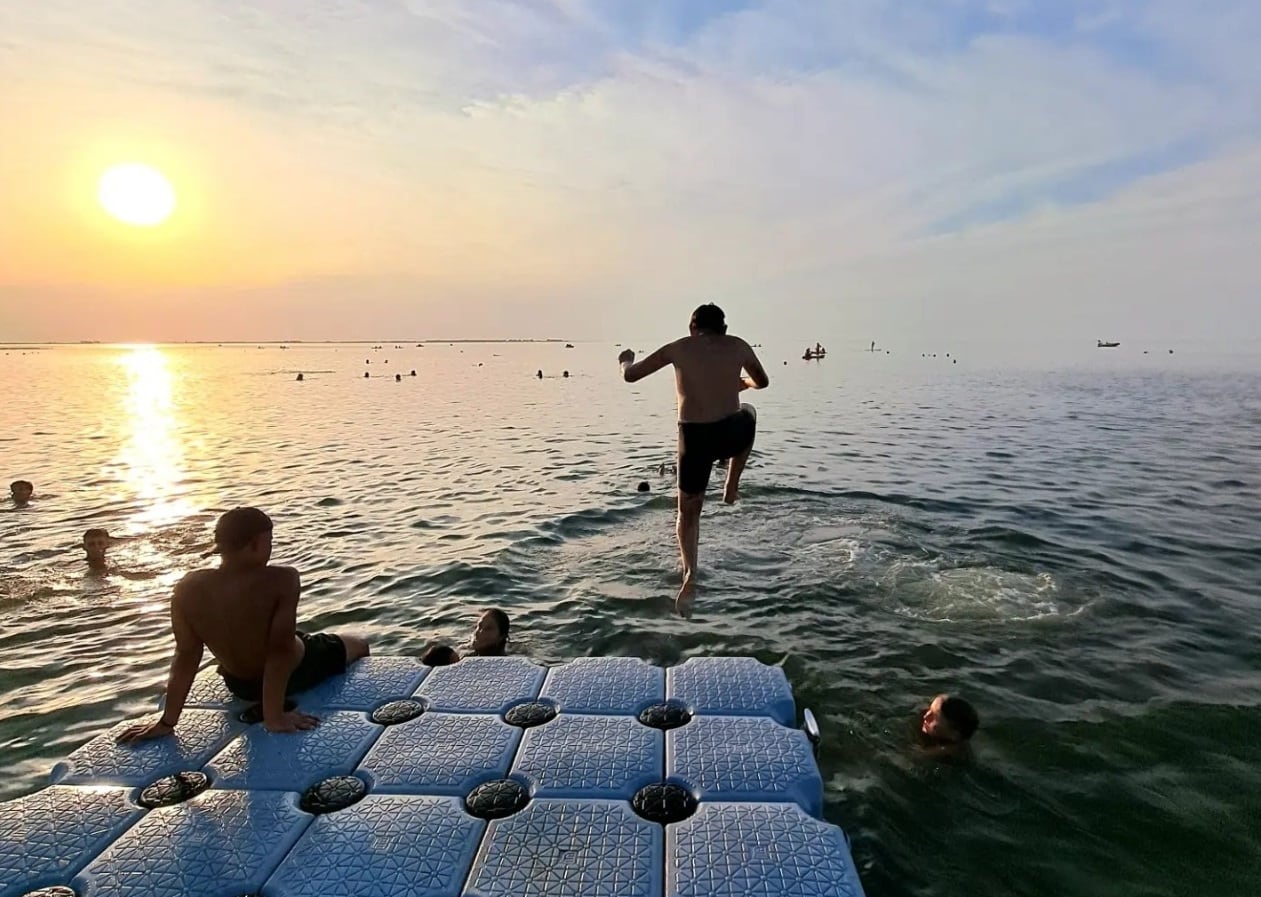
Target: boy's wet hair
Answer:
pixel 710 318
pixel 19 484
pixel 439 656
pixel 961 716
pixel 94 532
pixel 501 622
pixel 239 527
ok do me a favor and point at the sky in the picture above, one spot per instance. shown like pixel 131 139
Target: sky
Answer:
pixel 593 169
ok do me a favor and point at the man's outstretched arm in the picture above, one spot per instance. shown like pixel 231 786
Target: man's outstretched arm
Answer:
pixel 188 654
pixel 633 370
pixel 757 378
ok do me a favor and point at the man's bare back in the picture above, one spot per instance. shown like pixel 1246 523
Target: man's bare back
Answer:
pixel 709 368
pixel 246 613
pixel 230 612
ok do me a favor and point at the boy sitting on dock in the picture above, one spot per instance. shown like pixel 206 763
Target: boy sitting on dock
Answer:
pixel 245 612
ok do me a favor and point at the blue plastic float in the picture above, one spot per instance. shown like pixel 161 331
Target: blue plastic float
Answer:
pixel 493 777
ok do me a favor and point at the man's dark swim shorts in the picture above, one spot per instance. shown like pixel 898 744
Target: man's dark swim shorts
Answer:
pixel 700 445
pixel 324 657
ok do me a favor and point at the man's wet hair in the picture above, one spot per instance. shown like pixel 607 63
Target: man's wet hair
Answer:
pixel 239 527
pixel 94 532
pixel 439 656
pixel 16 484
pixel 710 318
pixel 961 715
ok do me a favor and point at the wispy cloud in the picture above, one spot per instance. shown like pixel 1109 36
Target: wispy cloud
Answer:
pixel 565 150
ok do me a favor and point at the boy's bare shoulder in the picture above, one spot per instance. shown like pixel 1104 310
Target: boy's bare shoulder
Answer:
pixel 194 581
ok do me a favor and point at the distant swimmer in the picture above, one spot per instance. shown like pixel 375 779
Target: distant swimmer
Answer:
pixel 709 372
pixel 95 544
pixel 413 373
pixel 948 724
pixel 398 378
pixel 565 374
pixel 365 375
pixel 21 491
pixel 300 378
pixel 873 345
pixel 539 375
pixel 643 486
pixel 245 612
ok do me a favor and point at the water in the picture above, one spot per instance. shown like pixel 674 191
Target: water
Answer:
pixel 1073 542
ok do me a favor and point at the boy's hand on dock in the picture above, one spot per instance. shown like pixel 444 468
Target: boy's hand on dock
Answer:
pixel 145 732
pixel 292 721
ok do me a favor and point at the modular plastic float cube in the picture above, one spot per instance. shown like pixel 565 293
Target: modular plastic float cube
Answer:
pixel 492 777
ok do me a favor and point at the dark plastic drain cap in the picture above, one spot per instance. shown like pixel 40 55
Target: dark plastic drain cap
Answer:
pixel 496 799
pixel 54 891
pixel 664 803
pixel 666 715
pixel 396 712
pixel 170 790
pixel 333 794
pixel 534 713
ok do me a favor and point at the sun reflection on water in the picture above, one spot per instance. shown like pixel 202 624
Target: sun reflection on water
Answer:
pixel 153 453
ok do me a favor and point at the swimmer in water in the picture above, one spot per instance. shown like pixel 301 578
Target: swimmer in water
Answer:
pixel 95 543
pixel 439 656
pixel 490 636
pixel 709 372
pixel 21 491
pixel 245 612
pixel 948 724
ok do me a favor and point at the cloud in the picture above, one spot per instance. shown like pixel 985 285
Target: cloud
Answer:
pixel 548 154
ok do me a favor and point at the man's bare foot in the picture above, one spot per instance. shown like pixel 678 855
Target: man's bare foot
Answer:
pixel 730 493
pixel 683 603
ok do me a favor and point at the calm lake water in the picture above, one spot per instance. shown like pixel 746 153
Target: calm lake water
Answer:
pixel 1070 539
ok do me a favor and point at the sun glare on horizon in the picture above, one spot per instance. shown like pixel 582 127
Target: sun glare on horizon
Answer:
pixel 136 194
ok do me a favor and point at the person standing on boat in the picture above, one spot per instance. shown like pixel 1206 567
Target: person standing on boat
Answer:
pixel 709 372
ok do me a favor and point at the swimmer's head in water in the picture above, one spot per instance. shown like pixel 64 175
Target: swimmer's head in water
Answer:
pixel 490 636
pixel 21 490
pixel 949 720
pixel 439 656
pixel 95 542
pixel 708 318
pixel 246 533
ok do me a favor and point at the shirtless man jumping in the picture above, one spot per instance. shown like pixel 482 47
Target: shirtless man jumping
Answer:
pixel 245 612
pixel 709 368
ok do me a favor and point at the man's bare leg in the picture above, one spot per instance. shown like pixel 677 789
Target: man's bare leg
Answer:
pixel 735 467
pixel 688 530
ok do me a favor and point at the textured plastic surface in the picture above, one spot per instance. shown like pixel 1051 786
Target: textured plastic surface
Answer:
pixel 607 685
pixel 219 843
pixel 48 836
pixel 560 847
pixel 590 756
pixel 385 845
pixel 367 684
pixel 441 753
pixel 295 761
pixel 482 684
pixel 592 801
pixel 734 686
pixel 102 761
pixel 758 850
pixel 209 692
pixel 738 758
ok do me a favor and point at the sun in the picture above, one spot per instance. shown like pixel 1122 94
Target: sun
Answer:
pixel 136 194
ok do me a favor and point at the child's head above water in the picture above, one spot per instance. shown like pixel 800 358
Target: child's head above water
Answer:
pixel 949 720
pixel 439 656
pixel 21 490
pixel 95 542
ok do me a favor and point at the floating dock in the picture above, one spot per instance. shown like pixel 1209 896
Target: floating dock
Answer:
pixel 492 777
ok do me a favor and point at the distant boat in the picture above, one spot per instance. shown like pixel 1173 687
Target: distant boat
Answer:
pixel 569 345
pixel 1104 344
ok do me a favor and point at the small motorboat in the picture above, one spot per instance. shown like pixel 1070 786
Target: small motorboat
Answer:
pixel 1104 344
